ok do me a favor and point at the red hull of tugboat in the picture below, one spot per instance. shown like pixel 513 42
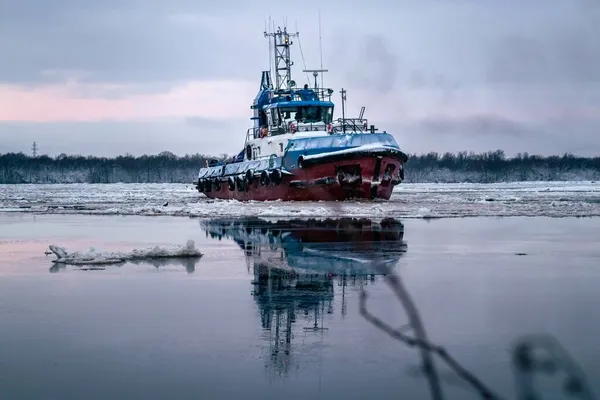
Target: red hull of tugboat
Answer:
pixel 324 181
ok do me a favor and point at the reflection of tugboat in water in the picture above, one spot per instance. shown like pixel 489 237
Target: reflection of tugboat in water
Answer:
pixel 296 266
pixel 332 246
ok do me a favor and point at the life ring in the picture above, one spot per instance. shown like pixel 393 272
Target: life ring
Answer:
pixel 248 152
pixel 264 178
pixel 276 176
pixel 263 132
pixel 231 183
pixel 329 128
pixel 292 128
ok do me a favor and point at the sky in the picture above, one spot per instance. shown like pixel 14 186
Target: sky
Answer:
pixel 108 77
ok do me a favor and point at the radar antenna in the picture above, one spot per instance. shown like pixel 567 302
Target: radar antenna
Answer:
pixel 315 73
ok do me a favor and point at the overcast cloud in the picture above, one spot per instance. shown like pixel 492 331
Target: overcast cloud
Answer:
pixel 107 77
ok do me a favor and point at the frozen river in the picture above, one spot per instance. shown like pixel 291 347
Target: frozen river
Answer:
pixel 553 199
pixel 228 326
pixel 271 309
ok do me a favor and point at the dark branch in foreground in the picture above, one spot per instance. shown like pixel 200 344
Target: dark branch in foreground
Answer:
pixel 421 342
pixel 534 354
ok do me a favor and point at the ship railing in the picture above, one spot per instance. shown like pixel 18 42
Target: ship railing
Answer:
pixel 323 94
pixel 353 125
pixel 346 125
pixel 254 133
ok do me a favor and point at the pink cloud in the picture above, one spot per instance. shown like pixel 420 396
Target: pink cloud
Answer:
pixel 52 103
pixel 73 101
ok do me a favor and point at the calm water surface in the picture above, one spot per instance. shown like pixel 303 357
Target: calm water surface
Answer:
pixel 240 324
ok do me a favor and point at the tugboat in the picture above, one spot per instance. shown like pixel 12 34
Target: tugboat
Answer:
pixel 296 151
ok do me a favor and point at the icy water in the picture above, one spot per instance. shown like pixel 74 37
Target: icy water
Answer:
pixel 237 324
pixel 553 199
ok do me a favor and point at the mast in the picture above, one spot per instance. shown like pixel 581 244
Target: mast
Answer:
pixel 282 63
pixel 343 92
pixel 320 46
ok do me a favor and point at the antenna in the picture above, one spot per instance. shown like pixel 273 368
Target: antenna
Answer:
pixel 362 112
pixel 343 93
pixel 315 73
pixel 320 45
pixel 302 54
pixel 268 30
pixel 34 149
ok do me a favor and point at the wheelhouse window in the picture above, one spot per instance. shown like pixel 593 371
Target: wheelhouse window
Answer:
pixel 274 117
pixel 306 114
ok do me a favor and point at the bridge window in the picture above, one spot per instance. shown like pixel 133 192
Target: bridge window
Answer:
pixel 274 117
pixel 317 114
pixel 305 114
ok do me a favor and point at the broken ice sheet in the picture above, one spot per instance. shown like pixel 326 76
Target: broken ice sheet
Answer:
pixel 93 257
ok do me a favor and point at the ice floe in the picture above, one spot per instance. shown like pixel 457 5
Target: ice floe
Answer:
pixel 93 257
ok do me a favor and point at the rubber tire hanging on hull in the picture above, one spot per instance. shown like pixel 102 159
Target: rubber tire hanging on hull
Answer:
pixel 250 177
pixel 276 176
pixel 231 183
pixel 239 183
pixel 264 178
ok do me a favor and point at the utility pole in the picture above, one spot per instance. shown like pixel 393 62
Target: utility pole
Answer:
pixel 343 92
pixel 34 149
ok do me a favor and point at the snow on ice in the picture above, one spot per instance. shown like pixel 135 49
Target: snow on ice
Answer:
pixel 409 200
pixel 94 257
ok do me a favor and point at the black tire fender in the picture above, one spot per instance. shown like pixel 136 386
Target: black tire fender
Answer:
pixel 276 176
pixel 250 176
pixel 239 183
pixel 265 179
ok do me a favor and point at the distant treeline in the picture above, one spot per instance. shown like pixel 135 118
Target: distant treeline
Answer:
pixel 166 167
